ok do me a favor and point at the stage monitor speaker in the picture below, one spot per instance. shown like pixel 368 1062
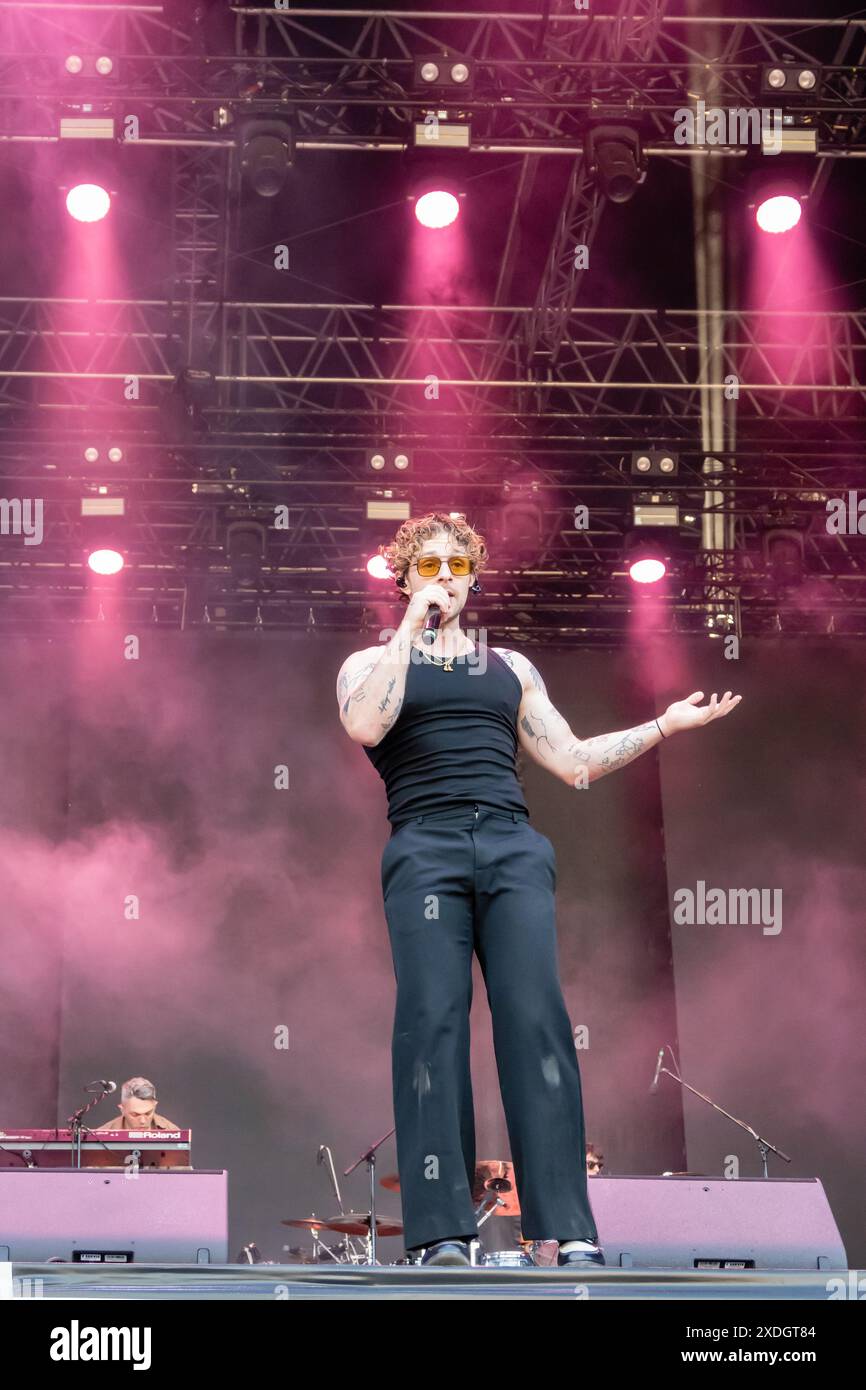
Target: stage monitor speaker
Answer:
pixel 92 1216
pixel 711 1223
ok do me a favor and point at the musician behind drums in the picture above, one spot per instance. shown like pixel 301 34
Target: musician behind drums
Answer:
pixel 594 1161
pixel 138 1107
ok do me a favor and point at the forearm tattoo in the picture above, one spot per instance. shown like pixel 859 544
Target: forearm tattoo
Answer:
pixel 612 751
pixel 554 742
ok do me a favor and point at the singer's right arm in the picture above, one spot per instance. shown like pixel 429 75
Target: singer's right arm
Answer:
pixel 371 687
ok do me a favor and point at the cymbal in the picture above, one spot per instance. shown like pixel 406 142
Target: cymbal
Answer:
pixel 352 1223
pixel 309 1223
pixel 357 1223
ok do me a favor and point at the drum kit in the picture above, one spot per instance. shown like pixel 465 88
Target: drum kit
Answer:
pixel 494 1193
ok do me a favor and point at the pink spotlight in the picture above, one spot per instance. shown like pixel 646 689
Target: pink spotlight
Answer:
pixel 779 213
pixel 437 208
pixel 88 202
pixel 647 571
pixel 105 561
pixel 377 568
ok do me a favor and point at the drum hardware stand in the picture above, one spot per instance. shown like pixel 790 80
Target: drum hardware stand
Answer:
pixel 491 1203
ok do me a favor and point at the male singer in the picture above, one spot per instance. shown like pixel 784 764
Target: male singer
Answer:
pixel 464 871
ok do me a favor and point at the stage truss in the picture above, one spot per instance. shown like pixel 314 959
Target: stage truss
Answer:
pixel 540 403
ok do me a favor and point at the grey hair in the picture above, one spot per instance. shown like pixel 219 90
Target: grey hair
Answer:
pixel 138 1087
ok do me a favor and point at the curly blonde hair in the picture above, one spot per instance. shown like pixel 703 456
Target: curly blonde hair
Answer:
pixel 411 536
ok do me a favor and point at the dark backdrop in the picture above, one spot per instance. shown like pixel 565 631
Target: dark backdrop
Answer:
pixel 167 909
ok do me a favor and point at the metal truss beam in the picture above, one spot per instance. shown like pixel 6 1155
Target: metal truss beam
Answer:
pixel 784 365
pixel 345 77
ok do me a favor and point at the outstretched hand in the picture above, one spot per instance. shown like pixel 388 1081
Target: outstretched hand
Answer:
pixel 690 714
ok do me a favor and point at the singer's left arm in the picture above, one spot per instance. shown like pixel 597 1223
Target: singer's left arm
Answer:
pixel 549 741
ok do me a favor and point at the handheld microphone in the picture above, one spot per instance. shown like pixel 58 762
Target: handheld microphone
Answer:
pixel 431 623
pixel 655 1081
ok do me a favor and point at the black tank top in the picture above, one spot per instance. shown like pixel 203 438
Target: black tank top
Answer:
pixel 455 740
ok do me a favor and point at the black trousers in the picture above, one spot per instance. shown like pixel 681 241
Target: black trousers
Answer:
pixel 455 882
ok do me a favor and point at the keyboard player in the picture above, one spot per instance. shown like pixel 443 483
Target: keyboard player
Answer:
pixel 137 1108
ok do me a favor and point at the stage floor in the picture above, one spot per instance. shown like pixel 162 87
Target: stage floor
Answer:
pixel 275 1282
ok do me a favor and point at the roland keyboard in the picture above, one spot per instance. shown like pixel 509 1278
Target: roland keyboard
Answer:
pixel 54 1148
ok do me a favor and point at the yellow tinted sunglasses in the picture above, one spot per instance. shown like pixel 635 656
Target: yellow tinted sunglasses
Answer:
pixel 430 565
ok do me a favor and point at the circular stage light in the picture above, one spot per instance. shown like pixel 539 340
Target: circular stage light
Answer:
pixel 647 571
pixel 105 561
pixel 377 568
pixel 88 202
pixel 779 213
pixel 436 209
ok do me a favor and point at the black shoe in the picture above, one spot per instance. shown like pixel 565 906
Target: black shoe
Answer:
pixel 447 1252
pixel 587 1256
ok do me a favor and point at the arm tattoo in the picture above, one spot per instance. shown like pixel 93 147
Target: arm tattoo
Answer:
pixel 508 657
pixel 628 745
pixel 387 723
pixel 384 703
pixel 386 698
pixel 541 737
pixel 359 695
pixel 536 679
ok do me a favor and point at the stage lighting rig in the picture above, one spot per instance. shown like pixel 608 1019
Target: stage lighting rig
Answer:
pixel 784 553
pixel 183 405
pixel 267 153
pixel 778 191
pixel 446 74
pixel 384 512
pixel 615 159
pixel 389 458
pixel 433 166
pixel 521 520
pixel 103 530
pixel 85 67
pixel 246 546
pixel 654 463
pixel 790 80
pixel 94 452
pixel 655 509
pixel 646 559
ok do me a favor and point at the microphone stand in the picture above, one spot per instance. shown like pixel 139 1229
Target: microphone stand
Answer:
pixel 370 1159
pixel 76 1126
pixel 351 1248
pixel 764 1145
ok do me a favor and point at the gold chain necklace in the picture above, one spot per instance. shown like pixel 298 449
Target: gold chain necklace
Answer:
pixel 444 662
